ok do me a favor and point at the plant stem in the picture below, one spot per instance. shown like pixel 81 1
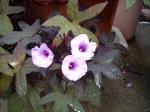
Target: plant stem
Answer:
pixel 65 90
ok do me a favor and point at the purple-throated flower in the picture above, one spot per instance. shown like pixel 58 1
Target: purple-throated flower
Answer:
pixel 73 68
pixel 82 48
pixel 42 56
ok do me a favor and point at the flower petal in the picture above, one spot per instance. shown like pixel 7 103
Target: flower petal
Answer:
pixel 74 74
pixel 82 38
pixel 38 57
pixel 92 46
pixel 87 48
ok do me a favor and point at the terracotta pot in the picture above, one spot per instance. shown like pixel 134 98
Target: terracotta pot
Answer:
pixel 125 20
pixel 42 8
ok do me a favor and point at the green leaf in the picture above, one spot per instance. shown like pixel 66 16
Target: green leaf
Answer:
pixel 21 72
pixel 5 82
pixel 147 2
pixel 17 57
pixel 19 53
pixel 4 68
pixel 6 23
pixel 104 63
pixel 5 9
pixel 61 102
pixel 129 3
pixel 15 9
pixel 34 97
pixel 110 70
pixel 27 33
pixel 72 9
pixel 3 105
pixel 21 83
pixel 23 25
pixel 14 37
pixel 29 67
pixel 76 106
pixel 79 16
pixel 17 104
pixel 34 39
pixel 96 70
pixel 48 98
pixel 3 52
pixel 65 27
pixel 91 92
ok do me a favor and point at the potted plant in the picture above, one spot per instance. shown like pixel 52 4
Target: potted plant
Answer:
pixel 127 14
pixel 58 65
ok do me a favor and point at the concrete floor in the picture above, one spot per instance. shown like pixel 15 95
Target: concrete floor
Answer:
pixel 117 97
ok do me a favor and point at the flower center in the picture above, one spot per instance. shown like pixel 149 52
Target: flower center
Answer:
pixel 71 66
pixel 45 53
pixel 82 48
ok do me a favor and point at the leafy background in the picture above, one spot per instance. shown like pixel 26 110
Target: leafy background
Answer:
pixel 27 88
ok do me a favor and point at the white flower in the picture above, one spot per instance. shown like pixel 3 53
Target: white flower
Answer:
pixel 73 68
pixel 82 48
pixel 42 57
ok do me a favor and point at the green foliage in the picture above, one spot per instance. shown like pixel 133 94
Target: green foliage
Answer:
pixel 87 91
pixel 28 103
pixel 21 67
pixel 34 97
pixel 4 68
pixel 21 72
pixel 27 35
pixel 65 27
pixel 104 64
pixel 3 105
pixel 91 92
pixel 61 102
pixel 5 82
pixel 129 3
pixel 17 104
pixel 76 16
pixel 21 83
pixel 6 23
pixel 147 2
pixel 5 9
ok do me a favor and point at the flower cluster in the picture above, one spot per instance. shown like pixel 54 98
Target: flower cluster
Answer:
pixel 74 65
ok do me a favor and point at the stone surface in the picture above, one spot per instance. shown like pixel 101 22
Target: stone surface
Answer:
pixel 117 97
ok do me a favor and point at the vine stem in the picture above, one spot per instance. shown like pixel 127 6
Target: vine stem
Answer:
pixel 65 90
